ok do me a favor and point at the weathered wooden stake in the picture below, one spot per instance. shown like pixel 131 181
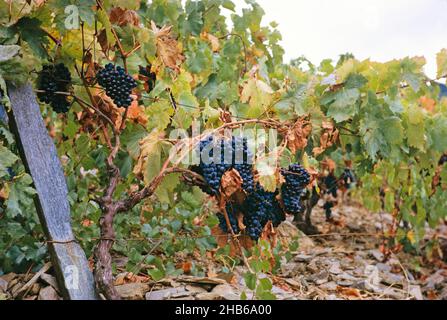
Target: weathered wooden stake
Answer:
pixel 40 158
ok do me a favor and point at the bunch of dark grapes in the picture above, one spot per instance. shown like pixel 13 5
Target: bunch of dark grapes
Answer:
pixel 260 207
pixel 148 77
pixel 217 156
pixel 277 214
pixel 211 171
pixel 241 162
pixel 330 183
pixel 117 83
pixel 232 213
pixel 297 178
pixel 53 79
pixel 213 166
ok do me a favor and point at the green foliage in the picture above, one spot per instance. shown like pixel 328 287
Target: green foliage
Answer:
pixel 205 67
pixel 21 241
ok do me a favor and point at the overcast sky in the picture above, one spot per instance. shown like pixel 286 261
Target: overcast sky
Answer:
pixel 378 29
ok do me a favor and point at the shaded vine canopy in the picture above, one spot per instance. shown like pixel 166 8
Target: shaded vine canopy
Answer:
pixel 385 118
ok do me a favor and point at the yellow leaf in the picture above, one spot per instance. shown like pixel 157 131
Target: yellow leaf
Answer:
pixel 410 236
pixel 150 153
pixel 258 95
pixel 168 49
pixel 266 169
pixel 441 60
pixel 213 40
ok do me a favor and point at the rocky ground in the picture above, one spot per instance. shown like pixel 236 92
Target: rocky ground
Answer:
pixel 343 262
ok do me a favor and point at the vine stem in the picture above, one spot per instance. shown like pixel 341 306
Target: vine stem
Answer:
pixel 234 237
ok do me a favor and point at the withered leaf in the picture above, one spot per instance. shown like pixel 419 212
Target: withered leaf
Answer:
pixel 298 134
pixel 213 40
pixel 231 182
pixel 123 17
pixel 136 112
pixel 328 138
pixel 168 49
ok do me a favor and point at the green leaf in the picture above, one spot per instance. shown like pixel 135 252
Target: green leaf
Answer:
pixel 7 159
pixel 413 80
pixel 131 139
pixel 159 114
pixel 105 21
pixel 31 32
pixel 20 196
pixel 250 280
pixel 437 130
pixel 441 60
pixel 392 130
pixel 228 4
pixel 193 22
pixel 258 95
pixel 416 127
pixel 265 284
pixel 165 190
pixel 343 107
pixel 355 80
pixel 86 13
pixel 156 274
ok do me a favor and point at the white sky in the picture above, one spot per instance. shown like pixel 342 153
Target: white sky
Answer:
pixel 378 29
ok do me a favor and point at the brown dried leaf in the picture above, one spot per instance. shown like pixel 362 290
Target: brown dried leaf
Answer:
pixel 225 116
pixel 110 109
pixel 231 182
pixel 328 164
pixel 298 134
pixel 328 138
pixel 38 3
pixel 214 41
pixel 92 68
pixel 103 42
pixel 168 49
pixel 186 267
pixel 136 112
pixel 223 239
pixel 86 223
pixel 349 292
pixel 4 193
pixel 123 17
pixel 427 103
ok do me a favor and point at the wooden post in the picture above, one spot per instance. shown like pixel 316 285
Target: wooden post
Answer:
pixel 40 158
